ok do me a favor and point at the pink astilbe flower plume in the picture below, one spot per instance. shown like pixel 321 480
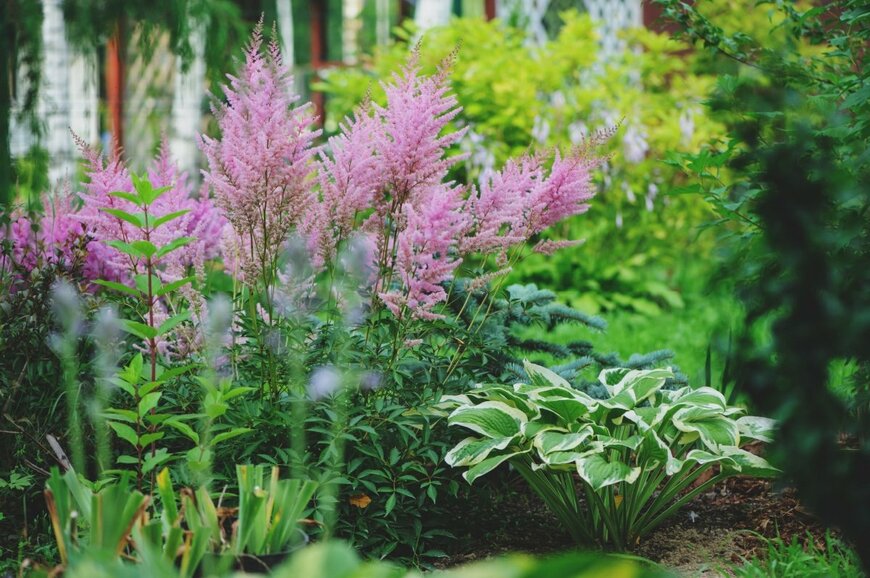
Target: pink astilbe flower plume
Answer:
pixel 260 165
pixel 348 181
pixel 201 221
pixel 410 142
pixel 53 238
pixel 426 253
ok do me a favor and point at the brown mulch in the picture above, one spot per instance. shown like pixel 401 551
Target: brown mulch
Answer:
pixel 718 527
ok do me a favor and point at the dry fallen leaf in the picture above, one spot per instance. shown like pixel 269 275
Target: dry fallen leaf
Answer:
pixel 361 501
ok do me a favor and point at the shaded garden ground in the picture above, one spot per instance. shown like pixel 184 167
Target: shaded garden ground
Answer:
pixel 718 528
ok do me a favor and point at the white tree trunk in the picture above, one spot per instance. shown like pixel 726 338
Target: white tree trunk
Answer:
pixel 431 13
pixel 54 98
pixel 351 26
pixel 84 97
pixel 382 13
pixel 288 50
pixel 187 105
pixel 285 29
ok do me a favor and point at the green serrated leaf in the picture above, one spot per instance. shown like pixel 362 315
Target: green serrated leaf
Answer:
pixel 125 432
pixel 133 198
pixel 167 218
pixel 170 323
pixel 117 287
pixel 173 245
pixel 131 218
pixel 139 329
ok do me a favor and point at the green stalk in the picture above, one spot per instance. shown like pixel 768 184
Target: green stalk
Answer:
pixel 653 524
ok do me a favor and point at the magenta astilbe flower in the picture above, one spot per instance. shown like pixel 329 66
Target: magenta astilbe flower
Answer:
pixel 411 144
pixel 523 199
pixel 426 253
pixel 202 221
pixel 259 167
pixel 57 238
pixel 563 193
pixel 348 181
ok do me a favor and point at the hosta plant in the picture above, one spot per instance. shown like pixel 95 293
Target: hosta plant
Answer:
pixel 611 469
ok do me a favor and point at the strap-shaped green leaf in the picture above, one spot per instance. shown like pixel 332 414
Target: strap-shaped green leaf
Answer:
pixel 173 245
pixel 133 218
pixel 117 287
pixel 227 435
pixel 139 329
pixel 132 197
pixel 183 428
pixel 170 323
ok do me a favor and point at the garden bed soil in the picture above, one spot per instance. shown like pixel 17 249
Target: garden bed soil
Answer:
pixel 720 527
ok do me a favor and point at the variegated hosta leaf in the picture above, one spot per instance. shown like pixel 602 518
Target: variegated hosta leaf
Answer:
pixel 542 377
pixel 631 442
pixel 510 397
pixel 612 375
pixel 533 428
pixel 598 472
pixel 702 396
pixel 646 417
pixel 709 424
pixel 638 384
pixel 655 453
pixel 548 442
pixel 471 451
pixel 494 419
pixel 570 457
pixel 703 457
pixel 568 409
pixel 756 428
pixel 748 464
pixel 488 465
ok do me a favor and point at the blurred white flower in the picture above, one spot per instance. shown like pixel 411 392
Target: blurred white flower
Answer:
pixel 652 192
pixel 324 381
pixel 541 130
pixel 67 306
pixel 634 145
pixel 577 132
pixel 687 125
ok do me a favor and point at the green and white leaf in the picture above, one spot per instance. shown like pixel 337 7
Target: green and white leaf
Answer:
pixel 713 429
pixel 471 450
pixel 542 377
pixel 493 419
pixel 756 428
pixel 488 465
pixel 598 472
pixel 548 442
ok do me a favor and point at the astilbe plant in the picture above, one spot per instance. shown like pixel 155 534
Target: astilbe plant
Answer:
pixel 259 168
pixel 383 178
